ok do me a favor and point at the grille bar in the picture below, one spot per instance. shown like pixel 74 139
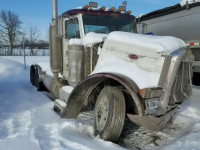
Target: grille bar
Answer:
pixel 182 85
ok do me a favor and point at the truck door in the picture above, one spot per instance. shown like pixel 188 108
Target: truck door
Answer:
pixel 71 30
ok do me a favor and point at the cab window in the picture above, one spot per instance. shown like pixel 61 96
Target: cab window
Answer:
pixel 72 29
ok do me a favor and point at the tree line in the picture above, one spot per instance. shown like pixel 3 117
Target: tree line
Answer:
pixel 13 36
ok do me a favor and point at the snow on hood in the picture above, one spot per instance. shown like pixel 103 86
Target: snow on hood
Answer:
pixel 108 63
pixel 89 38
pixel 114 56
pixel 184 2
pixel 155 43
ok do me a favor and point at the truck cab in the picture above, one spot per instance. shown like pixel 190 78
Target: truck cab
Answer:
pixel 100 63
pixel 76 23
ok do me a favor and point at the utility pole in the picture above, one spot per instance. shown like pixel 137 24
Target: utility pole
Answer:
pixel 24 53
pixel 23 47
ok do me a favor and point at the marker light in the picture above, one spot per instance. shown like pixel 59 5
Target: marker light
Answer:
pixel 112 9
pixel 151 92
pixel 103 8
pixel 133 56
pixel 119 10
pixel 86 7
pixel 129 12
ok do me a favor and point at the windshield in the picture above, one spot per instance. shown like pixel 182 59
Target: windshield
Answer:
pixel 107 24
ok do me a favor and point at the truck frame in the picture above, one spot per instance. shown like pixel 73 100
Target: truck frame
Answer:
pixel 133 75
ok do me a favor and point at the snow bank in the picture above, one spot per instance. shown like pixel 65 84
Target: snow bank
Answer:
pixel 28 121
pixel 89 38
pixel 184 2
pixel 188 120
pixel 156 43
pixel 42 61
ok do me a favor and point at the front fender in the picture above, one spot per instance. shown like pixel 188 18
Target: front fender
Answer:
pixel 80 94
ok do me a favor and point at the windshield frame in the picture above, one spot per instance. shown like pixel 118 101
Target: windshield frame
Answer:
pixel 114 19
pixel 80 12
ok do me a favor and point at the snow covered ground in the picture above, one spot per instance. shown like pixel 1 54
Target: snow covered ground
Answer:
pixel 28 121
pixel 42 61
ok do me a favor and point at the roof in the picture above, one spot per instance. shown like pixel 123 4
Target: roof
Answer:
pixel 95 12
pixel 167 10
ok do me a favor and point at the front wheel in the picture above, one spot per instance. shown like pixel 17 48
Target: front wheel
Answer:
pixel 109 114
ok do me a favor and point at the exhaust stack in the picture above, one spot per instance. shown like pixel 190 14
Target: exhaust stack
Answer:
pixel 55 9
pixel 55 42
pixel 55 45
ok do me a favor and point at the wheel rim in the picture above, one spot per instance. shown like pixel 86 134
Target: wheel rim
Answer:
pixel 101 114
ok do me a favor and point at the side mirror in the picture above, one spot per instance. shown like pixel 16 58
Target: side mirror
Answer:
pixel 60 26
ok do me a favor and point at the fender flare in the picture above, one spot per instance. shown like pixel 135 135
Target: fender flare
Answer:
pixel 78 98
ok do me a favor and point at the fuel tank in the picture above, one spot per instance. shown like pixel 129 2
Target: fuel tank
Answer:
pixel 75 73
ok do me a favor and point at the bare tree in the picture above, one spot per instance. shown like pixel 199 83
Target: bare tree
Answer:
pixel 32 37
pixel 9 26
pixel 1 43
pixel 47 36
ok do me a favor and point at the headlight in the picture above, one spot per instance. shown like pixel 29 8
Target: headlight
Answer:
pixel 151 92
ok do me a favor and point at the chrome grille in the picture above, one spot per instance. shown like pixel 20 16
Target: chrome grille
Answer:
pixel 181 89
pixel 91 57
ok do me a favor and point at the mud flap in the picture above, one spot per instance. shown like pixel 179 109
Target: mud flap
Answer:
pixel 73 108
pixel 152 123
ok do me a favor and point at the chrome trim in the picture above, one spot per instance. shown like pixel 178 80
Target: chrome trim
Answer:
pixel 170 77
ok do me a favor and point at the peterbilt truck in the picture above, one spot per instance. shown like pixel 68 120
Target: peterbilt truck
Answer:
pixel 100 63
pixel 182 21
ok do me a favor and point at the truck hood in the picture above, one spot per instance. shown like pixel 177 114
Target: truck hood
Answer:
pixel 145 71
pixel 146 43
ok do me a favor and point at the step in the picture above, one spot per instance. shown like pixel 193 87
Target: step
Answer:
pixel 64 93
pixel 59 105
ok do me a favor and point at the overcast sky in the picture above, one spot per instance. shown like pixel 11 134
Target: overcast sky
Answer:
pixel 39 12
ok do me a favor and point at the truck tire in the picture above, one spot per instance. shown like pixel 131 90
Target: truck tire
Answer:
pixel 32 70
pixel 109 114
pixel 41 87
pixel 36 77
pixel 38 84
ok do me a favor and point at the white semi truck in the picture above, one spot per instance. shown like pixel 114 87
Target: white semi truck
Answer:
pixel 182 21
pixel 113 70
